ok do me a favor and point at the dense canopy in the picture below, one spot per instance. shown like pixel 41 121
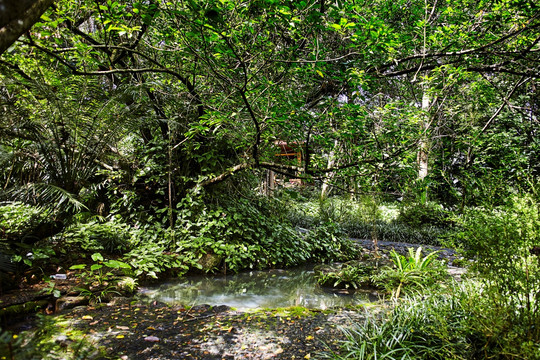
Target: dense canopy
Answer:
pixel 159 137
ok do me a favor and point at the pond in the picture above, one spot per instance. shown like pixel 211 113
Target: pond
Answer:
pixel 254 290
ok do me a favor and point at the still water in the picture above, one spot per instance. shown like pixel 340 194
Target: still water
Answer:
pixel 253 290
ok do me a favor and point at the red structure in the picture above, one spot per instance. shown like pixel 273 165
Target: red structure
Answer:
pixel 290 150
pixel 287 150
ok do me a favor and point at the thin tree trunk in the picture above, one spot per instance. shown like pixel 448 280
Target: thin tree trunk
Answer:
pixel 423 144
pixel 325 189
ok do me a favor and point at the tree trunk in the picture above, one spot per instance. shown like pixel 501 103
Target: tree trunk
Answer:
pixel 325 189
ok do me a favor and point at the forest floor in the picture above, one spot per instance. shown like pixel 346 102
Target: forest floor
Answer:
pixel 127 331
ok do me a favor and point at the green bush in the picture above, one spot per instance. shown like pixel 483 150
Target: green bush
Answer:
pixel 460 323
pixel 17 218
pixel 153 253
pixel 495 316
pixel 253 233
pixel 396 232
pixel 417 215
pixel 501 241
pixel 111 236
pixel 349 275
pixel 327 243
pixel 367 218
pixel 436 327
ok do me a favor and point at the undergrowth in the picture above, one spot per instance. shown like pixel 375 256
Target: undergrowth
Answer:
pixel 365 218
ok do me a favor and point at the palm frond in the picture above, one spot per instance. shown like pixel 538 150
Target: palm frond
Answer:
pixel 48 196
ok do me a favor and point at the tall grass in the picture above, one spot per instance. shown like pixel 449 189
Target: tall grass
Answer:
pixel 440 326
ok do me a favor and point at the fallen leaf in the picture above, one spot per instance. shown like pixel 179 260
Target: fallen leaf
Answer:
pixel 126 327
pixel 151 339
pixel 308 356
pixel 87 317
pixel 309 337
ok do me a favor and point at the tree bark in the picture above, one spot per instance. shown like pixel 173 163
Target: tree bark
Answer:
pixel 17 17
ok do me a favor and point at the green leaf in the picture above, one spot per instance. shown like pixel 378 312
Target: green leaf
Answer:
pixel 78 267
pixel 97 257
pixel 95 267
pixel 115 264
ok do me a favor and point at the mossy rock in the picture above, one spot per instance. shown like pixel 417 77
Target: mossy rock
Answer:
pixel 69 302
pixel 209 262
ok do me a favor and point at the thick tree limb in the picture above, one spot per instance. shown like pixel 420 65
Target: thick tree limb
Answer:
pixel 17 17
pixel 226 174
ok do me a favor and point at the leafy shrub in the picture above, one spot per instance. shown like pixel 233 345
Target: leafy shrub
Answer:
pixel 365 219
pixel 100 282
pixel 327 242
pixel 111 236
pixel 459 324
pixel 501 241
pixel 496 316
pixel 250 233
pixel 436 327
pixel 349 275
pixel 17 218
pixel 153 253
pixel 396 232
pixel 418 215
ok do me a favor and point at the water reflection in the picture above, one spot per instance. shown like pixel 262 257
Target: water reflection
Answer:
pixel 255 289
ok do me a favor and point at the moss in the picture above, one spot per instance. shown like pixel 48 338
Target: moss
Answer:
pixel 293 311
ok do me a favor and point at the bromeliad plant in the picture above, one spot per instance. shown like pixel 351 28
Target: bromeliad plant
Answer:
pixel 411 272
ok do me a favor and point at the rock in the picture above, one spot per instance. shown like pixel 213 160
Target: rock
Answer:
pixel 69 302
pixel 63 340
pixel 201 308
pixel 221 308
pixel 209 262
